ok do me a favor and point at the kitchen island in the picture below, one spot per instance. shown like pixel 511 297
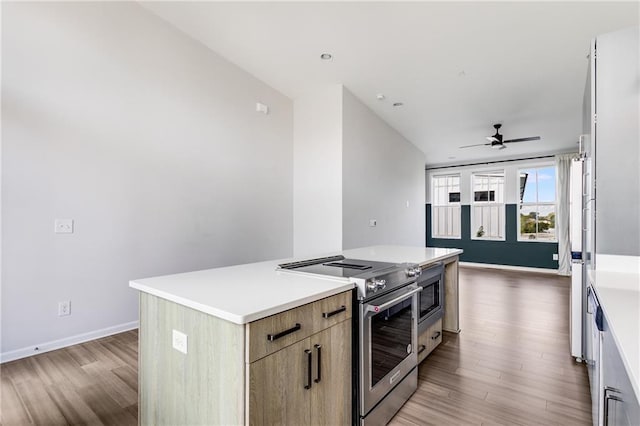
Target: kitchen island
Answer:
pixel 216 345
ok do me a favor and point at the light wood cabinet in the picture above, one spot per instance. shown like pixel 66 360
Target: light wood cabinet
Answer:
pixel 246 374
pixel 306 383
pixel 297 323
pixel 277 393
pixel 429 339
pixel 331 397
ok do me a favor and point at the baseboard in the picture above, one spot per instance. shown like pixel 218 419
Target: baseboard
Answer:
pixel 509 267
pixel 67 341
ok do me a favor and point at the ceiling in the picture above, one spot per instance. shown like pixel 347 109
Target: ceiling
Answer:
pixel 458 67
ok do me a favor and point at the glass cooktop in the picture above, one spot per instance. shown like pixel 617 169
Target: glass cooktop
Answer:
pixel 335 266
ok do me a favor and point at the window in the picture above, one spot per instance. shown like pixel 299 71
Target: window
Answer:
pixel 537 218
pixel 487 210
pixel 445 206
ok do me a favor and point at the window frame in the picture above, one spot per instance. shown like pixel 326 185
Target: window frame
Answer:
pixel 433 205
pixel 519 204
pixel 473 203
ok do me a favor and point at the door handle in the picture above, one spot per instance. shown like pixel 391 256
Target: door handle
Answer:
pixel 332 313
pixel 308 354
pixel 435 336
pixel 421 349
pixel 272 337
pixel 378 308
pixel 319 361
pixel 588 299
pixel 608 390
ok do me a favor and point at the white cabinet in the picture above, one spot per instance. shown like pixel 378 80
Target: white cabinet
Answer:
pixel 616 134
pixel 620 406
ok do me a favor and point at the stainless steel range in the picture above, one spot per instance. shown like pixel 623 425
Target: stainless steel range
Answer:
pixel 385 331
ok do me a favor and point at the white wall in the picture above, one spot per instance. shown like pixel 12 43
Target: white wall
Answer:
pixel 350 167
pixel 383 179
pixel 149 141
pixel 317 183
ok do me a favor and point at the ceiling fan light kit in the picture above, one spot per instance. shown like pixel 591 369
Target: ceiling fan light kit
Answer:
pixel 496 141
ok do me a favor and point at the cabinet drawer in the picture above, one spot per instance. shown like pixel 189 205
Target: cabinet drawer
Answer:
pixel 331 310
pixel 429 340
pixel 270 334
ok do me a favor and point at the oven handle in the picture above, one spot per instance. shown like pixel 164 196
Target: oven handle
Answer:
pixel 378 308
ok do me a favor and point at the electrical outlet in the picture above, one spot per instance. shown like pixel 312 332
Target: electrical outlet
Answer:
pixel 63 226
pixel 64 308
pixel 373 222
pixel 555 256
pixel 179 341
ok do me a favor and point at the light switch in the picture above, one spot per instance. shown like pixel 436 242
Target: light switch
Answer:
pixel 373 222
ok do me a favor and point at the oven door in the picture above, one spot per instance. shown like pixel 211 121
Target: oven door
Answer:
pixel 388 342
pixel 431 299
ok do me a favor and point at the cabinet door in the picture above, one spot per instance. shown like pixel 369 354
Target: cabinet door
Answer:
pixel 279 392
pixel 331 391
pixel 429 339
pixel 620 404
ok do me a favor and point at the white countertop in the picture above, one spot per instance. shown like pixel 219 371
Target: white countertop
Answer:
pixel 616 281
pixel 246 293
pixel 399 254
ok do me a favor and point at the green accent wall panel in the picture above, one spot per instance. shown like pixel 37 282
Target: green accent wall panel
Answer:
pixel 510 252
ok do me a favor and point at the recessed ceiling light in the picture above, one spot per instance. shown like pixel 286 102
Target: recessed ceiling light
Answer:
pixel 380 97
pixel 397 104
pixel 326 56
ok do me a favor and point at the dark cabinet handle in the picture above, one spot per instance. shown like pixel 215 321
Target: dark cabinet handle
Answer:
pixel 608 397
pixel 336 312
pixel 319 361
pixel 308 384
pixel 272 337
pixel 421 349
pixel 435 336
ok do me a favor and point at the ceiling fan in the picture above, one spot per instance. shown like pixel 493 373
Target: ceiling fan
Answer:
pixel 496 141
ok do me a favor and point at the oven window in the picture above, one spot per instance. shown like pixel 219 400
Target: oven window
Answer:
pixel 390 339
pixel 429 298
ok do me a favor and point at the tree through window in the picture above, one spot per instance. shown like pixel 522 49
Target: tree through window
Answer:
pixel 537 218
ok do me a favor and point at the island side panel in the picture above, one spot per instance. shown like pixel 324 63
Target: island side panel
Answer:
pixel 204 386
pixel 451 318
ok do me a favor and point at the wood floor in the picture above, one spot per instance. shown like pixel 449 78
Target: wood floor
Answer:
pixel 510 365
pixel 88 384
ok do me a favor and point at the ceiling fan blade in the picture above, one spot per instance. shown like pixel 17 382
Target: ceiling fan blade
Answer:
pixel 478 144
pixel 532 138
